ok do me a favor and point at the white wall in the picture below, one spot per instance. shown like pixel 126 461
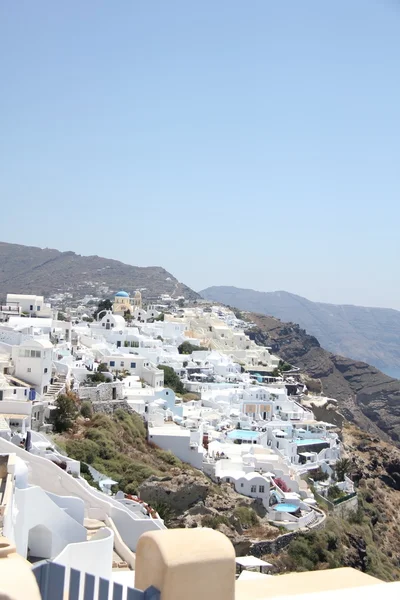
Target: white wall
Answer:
pixel 94 556
pixel 36 508
pixel 74 507
pixel 179 445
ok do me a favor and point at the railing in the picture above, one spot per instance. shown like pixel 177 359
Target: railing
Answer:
pixel 57 583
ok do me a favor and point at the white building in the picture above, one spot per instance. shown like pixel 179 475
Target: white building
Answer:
pixel 30 305
pixel 33 360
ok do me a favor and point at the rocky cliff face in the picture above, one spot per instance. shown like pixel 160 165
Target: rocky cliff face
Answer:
pixel 366 396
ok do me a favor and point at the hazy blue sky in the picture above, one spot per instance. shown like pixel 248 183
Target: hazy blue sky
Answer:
pixel 249 143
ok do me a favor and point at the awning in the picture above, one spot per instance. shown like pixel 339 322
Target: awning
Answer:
pixel 107 482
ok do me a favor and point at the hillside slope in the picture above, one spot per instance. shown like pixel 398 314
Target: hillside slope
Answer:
pixel 371 335
pixel 26 269
pixel 366 396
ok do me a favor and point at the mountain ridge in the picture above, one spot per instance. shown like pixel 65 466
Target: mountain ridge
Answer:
pixel 47 271
pixel 366 334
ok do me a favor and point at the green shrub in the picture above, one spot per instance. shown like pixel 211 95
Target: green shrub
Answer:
pixel 334 493
pixel 213 522
pixel 86 410
pixel 171 379
pixel 83 450
pixel 168 457
pixel 247 516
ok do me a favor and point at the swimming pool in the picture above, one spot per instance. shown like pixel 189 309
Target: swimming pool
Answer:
pixel 310 441
pixel 243 434
pixel 285 507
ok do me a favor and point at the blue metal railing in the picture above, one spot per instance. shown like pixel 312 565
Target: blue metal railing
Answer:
pixel 55 585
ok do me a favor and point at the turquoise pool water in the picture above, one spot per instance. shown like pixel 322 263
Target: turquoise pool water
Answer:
pixel 284 507
pixel 243 434
pixel 310 441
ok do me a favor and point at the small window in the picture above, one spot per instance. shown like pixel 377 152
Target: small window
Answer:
pixel 242 484
pixel 38 308
pixel 103 324
pixel 14 391
pixel 122 363
pixel 112 363
pixel 253 489
pixel 29 370
pixel 112 324
pixel 261 489
pixel 45 370
pixel 31 307
pixel 133 365
pixel 26 392
pixel 108 320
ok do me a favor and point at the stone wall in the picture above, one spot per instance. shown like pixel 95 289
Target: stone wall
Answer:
pixel 345 508
pixel 102 392
pixel 272 546
pixel 109 407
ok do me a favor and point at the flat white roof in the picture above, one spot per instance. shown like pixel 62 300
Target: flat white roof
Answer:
pixel 252 561
pixel 169 430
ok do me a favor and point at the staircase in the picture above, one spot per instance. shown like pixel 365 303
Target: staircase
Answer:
pixel 55 389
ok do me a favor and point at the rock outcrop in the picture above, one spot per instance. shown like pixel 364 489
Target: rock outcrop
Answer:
pixel 189 499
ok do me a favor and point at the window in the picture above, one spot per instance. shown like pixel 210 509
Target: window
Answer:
pixel 45 370
pixel 122 363
pixel 26 392
pixel 108 320
pixel 253 489
pixel 133 365
pixel 28 370
pixel 35 354
pixel 31 307
pixel 103 324
pixel 242 484
pixel 112 363
pixel 45 389
pixel 228 480
pixel 112 324
pixel 14 391
pixel 261 489
pixel 38 308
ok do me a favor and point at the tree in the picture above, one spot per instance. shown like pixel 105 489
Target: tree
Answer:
pixel 171 379
pixel 128 316
pixel 65 413
pixel 188 348
pixel 181 302
pixel 103 305
pixel 61 316
pixel 342 467
pixel 96 377
pixel 160 317
pixel 102 368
